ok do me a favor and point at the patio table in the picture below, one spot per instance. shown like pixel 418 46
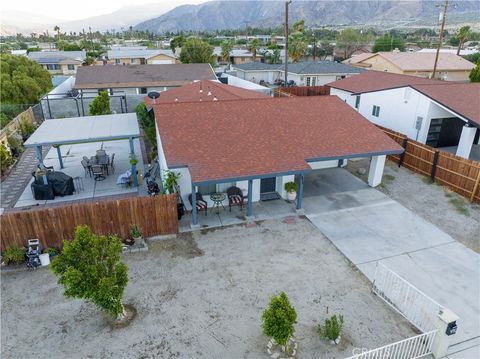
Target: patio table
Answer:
pixel 217 199
pixel 101 160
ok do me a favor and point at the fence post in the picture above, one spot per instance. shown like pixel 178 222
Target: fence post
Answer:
pixel 475 187
pixel 402 155
pixel 446 327
pixel 434 164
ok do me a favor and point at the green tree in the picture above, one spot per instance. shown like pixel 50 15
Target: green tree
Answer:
pixel 227 47
pixel 90 267
pixel 22 81
pixel 147 122
pixel 325 49
pixel 100 104
pixel 299 26
pixel 278 320
pixel 388 43
pixel 273 57
pixel 351 40
pixel 475 73
pixel 296 46
pixel 177 41
pixel 196 51
pixel 462 36
pixel 252 46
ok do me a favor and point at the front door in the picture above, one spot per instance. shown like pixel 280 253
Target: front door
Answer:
pixel 267 185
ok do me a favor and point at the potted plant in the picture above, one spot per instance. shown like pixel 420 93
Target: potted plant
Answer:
pixel 133 161
pixel 278 323
pixel 135 235
pixel 291 188
pixel 332 330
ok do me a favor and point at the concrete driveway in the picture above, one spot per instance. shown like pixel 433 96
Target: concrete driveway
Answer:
pixel 368 227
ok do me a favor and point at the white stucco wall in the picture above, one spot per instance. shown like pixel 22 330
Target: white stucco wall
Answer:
pixel 344 95
pixel 317 165
pixel 63 88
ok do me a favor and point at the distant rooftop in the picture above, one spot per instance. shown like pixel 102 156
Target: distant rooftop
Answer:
pixel 139 53
pixel 306 68
pixel 167 75
pixel 49 57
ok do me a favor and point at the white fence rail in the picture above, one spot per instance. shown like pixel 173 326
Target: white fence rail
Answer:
pixel 412 303
pixel 411 348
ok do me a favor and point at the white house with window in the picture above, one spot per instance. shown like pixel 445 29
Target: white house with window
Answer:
pixel 59 62
pixel 437 113
pixel 310 73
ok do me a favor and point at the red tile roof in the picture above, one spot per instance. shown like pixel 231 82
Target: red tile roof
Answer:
pixel 462 98
pixel 378 80
pixel 255 137
pixel 205 91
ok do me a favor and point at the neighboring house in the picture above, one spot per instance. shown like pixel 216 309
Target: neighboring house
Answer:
pixel 140 79
pixel 450 67
pixel 437 113
pixel 19 52
pixel 237 56
pixel 463 52
pixel 259 144
pixel 141 57
pixel 59 62
pixel 302 73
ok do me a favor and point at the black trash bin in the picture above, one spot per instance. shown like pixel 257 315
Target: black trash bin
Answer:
pixel 180 210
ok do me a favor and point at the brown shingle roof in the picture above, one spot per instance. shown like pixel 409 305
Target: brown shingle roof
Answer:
pixel 423 61
pixel 257 137
pixel 461 98
pixel 378 80
pixel 118 76
pixel 205 90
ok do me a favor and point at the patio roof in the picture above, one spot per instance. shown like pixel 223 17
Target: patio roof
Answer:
pixel 254 138
pixel 85 129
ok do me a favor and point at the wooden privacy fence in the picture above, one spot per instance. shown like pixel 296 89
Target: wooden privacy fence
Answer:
pixel 302 91
pixel 153 216
pixel 459 174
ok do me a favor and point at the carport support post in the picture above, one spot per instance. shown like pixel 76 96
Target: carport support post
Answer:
pixel 40 163
pixel 300 193
pixel 194 206
pixel 59 154
pixel 376 170
pixel 466 141
pixel 134 165
pixel 250 196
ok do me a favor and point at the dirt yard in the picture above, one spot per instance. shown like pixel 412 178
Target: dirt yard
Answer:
pixel 440 206
pixel 201 295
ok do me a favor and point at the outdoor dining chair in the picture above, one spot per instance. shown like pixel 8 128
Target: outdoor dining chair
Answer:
pixel 235 197
pixel 97 172
pixel 86 168
pixel 101 153
pixel 201 203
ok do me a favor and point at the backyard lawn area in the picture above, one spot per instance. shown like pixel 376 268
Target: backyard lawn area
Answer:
pixel 202 295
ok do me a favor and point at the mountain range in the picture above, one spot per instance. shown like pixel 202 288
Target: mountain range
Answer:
pixel 234 14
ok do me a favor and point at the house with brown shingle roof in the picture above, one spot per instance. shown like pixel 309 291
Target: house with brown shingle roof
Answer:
pixel 450 67
pixel 259 144
pixel 438 113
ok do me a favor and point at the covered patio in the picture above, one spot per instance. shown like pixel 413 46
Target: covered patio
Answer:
pixel 94 151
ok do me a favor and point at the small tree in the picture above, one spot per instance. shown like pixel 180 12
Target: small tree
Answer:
pixel 279 319
pixel 89 267
pixel 227 47
pixel 252 47
pixel 100 105
pixel 196 51
pixel 462 36
pixel 475 73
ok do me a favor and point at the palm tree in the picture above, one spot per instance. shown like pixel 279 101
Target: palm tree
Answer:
pixel 227 47
pixel 252 47
pixel 57 29
pixel 462 36
pixel 296 46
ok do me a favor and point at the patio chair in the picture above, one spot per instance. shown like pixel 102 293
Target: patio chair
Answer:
pixel 235 197
pixel 87 168
pixel 101 153
pixel 110 163
pixel 201 203
pixel 97 172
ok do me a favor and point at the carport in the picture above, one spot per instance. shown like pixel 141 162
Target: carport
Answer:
pixel 77 130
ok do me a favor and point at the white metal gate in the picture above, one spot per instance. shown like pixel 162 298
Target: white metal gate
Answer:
pixel 411 348
pixel 409 301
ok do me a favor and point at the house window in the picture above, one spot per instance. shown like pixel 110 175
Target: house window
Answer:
pixel 308 80
pixel 357 102
pixel 133 61
pixel 71 67
pixel 142 90
pixel 53 67
pixel 376 111
pixel 117 61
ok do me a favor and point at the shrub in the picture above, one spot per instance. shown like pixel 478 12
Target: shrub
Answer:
pixel 15 144
pixel 135 231
pixel 6 159
pixel 90 267
pixel 279 318
pixel 26 127
pixel 51 251
pixel 291 186
pixel 14 254
pixel 171 180
pixel 100 105
pixel 333 327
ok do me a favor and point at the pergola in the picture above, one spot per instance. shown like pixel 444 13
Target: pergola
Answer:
pixel 75 130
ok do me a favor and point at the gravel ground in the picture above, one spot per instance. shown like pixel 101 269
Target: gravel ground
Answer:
pixel 447 210
pixel 201 295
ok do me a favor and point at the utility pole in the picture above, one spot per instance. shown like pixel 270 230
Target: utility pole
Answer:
pixel 440 37
pixel 288 2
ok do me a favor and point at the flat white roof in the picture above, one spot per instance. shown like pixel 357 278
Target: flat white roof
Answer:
pixel 85 129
